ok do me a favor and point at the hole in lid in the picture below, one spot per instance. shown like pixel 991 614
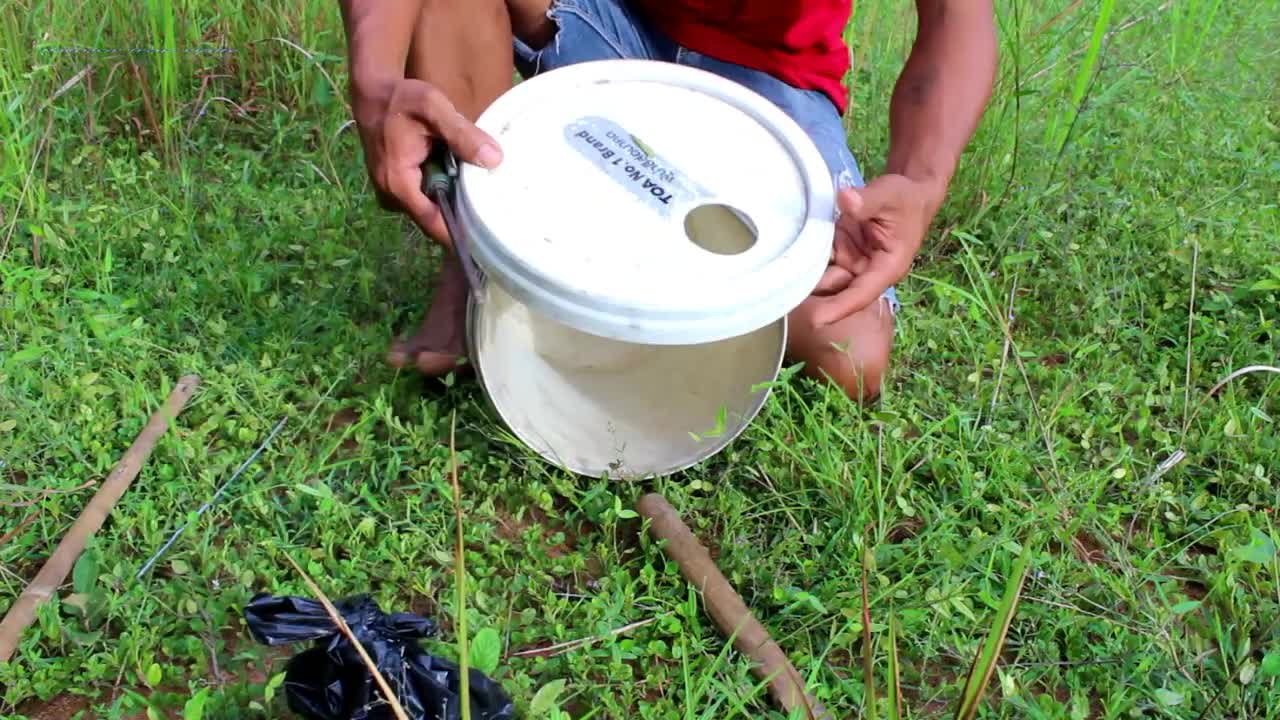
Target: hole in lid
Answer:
pixel 720 229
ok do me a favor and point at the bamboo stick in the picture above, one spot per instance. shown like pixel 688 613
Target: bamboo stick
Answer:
pixel 45 584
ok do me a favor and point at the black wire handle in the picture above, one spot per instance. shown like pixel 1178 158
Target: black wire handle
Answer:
pixel 440 181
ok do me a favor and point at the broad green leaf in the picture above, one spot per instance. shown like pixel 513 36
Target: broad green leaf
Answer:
pixel 1247 670
pixel 1261 549
pixel 544 701
pixel 1168 698
pixel 320 491
pixel 320 91
pixel 1185 607
pixel 154 675
pixel 85 574
pixel 486 649
pixel 26 354
pixel 1270 666
pixel 77 603
pixel 1019 258
pixel 84 639
pixel 194 709
pixel 269 692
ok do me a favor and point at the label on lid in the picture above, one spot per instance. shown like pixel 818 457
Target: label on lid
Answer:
pixel 634 166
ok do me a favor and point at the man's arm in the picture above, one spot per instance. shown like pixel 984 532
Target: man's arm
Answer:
pixel 378 37
pixel 937 103
pixel 399 116
pixel 942 91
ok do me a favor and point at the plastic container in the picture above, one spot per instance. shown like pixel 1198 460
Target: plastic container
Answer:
pixel 639 248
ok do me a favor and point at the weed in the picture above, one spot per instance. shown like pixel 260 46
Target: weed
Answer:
pixel 196 211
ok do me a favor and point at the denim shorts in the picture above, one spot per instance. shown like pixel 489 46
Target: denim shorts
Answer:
pixel 609 29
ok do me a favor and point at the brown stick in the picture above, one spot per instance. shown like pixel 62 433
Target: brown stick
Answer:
pixel 45 584
pixel 726 607
pixel 345 629
pixel 30 518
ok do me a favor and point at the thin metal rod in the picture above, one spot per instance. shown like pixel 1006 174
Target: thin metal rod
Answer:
pixel 243 466
pixel 460 243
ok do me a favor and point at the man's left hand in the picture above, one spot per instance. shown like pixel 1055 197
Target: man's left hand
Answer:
pixel 880 230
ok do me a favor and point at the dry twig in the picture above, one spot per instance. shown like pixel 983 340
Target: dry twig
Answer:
pixel 341 624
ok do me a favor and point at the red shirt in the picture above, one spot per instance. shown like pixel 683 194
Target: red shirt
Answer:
pixel 800 42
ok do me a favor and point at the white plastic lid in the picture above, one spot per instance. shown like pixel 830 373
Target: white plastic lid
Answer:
pixel 595 217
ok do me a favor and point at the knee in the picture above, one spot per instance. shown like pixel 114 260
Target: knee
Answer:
pixel 853 354
pixel 859 370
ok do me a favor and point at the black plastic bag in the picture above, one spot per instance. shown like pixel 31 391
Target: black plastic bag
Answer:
pixel 330 681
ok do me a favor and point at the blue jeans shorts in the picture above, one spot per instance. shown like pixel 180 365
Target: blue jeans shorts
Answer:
pixel 609 29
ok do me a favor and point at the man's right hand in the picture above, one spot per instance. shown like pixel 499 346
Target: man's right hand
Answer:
pixel 398 123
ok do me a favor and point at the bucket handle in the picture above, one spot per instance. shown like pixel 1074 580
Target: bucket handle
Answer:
pixel 440 182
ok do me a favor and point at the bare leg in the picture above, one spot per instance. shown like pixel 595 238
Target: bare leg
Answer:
pixel 439 345
pixel 530 23
pixel 465 50
pixel 852 353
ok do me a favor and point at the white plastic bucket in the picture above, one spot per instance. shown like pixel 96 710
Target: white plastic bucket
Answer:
pixel 639 247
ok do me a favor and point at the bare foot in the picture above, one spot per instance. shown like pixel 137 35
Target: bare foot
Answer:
pixel 439 346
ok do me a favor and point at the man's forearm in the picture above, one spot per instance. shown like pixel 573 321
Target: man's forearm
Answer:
pixel 943 90
pixel 379 33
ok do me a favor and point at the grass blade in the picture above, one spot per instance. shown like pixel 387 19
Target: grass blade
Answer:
pixel 984 665
pixel 460 571
pixel 868 648
pixel 1084 76
pixel 896 708
pixel 1095 48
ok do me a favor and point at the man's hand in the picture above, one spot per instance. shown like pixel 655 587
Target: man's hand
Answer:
pixel 398 122
pixel 937 102
pixel 880 230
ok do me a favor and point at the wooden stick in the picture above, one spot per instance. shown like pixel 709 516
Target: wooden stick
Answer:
pixel 726 607
pixel 45 584
pixel 345 629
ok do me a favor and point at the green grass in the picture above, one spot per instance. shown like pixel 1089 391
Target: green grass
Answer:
pixel 1108 255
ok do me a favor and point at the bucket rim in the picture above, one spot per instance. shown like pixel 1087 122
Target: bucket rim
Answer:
pixel 744 302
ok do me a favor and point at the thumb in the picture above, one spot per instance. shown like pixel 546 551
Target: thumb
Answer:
pixel 867 201
pixel 468 142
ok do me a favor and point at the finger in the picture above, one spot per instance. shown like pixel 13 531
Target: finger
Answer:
pixel 862 290
pixel 405 183
pixel 833 280
pixel 859 265
pixel 406 147
pixel 865 243
pixel 468 142
pixel 841 250
pixel 846 250
pixel 868 201
pixel 851 250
